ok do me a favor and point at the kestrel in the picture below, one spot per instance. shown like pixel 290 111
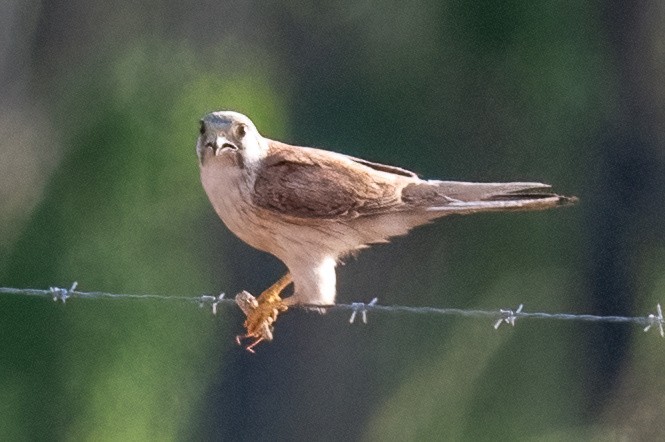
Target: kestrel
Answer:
pixel 310 207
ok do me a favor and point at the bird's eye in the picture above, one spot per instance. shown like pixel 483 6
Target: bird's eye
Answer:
pixel 202 129
pixel 241 130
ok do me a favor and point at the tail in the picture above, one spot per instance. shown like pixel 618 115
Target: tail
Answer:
pixel 448 197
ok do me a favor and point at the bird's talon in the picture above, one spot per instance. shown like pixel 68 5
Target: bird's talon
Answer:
pixel 250 347
pixel 260 319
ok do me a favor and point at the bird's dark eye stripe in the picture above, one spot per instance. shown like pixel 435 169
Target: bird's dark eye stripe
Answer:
pixel 202 129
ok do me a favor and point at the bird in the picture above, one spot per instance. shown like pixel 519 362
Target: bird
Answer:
pixel 311 208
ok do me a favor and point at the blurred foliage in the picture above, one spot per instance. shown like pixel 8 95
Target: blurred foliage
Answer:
pixel 123 212
pixel 101 186
pixel 432 406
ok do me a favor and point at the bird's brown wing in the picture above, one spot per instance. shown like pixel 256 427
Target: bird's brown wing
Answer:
pixel 310 183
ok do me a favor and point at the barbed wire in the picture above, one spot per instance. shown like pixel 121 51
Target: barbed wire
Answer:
pixel 500 316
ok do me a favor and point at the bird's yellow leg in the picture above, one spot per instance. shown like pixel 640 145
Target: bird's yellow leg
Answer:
pixel 271 294
pixel 262 312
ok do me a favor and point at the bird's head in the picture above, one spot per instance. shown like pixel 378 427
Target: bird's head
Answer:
pixel 231 139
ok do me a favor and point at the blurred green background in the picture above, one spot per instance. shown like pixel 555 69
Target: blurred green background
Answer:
pixel 99 184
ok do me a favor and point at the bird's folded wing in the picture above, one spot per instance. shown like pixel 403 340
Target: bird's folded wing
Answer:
pixel 310 183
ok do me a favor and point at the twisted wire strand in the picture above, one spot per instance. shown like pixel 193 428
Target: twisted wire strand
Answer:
pixel 499 315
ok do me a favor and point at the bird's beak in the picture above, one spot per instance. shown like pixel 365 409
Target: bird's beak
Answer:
pixel 220 143
pixel 214 147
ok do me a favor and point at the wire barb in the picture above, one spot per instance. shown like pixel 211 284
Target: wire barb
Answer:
pixel 656 320
pixel 60 294
pixel 213 300
pixel 508 316
pixel 362 308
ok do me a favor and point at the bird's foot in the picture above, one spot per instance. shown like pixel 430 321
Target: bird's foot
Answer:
pixel 261 332
pixel 262 312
